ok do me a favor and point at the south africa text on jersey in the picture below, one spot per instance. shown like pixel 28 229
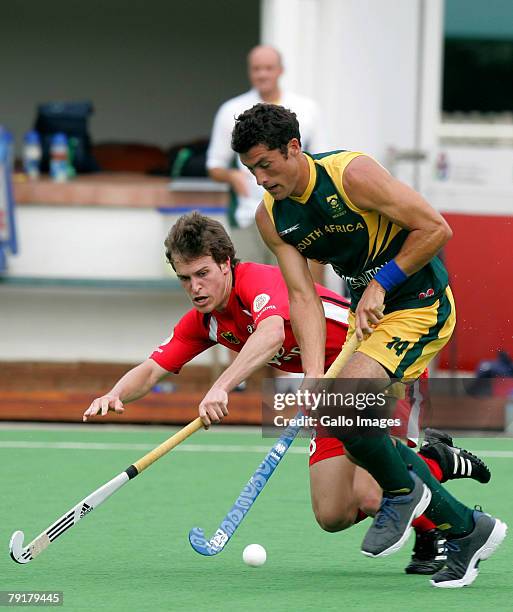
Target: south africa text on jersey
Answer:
pixel 328 229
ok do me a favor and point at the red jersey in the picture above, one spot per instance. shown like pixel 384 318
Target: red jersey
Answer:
pixel 258 292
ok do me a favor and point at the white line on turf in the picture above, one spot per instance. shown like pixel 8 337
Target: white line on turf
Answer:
pixel 194 448
pixel 93 427
pixel 116 446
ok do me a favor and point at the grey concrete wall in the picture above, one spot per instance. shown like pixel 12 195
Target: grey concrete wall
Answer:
pixel 156 70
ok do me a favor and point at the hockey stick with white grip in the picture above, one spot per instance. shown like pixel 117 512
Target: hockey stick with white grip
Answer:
pixel 24 554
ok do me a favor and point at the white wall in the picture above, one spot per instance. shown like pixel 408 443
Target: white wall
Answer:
pixel 358 58
pixel 85 324
pixel 82 323
pixel 155 70
pixel 91 242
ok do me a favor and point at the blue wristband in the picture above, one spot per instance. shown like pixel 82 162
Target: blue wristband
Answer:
pixel 390 276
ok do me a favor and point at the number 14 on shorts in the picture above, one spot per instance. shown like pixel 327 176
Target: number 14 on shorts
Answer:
pixel 398 345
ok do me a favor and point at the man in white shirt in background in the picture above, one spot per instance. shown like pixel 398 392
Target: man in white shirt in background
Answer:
pixel 264 70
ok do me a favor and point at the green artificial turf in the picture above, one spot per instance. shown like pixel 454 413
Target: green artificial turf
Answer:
pixel 132 553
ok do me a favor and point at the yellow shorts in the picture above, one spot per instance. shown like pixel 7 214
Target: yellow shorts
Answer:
pixel 405 341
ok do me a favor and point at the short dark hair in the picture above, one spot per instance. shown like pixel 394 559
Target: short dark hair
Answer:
pixel 195 235
pixel 268 124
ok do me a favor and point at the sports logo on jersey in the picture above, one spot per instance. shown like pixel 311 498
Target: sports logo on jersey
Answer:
pixel 293 228
pixel 230 337
pixel 260 301
pixel 335 205
pixel 425 294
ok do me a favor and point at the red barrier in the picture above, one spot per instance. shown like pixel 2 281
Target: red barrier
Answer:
pixel 479 258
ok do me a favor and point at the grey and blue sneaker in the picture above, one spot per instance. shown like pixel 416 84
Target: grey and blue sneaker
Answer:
pixel 392 524
pixel 464 554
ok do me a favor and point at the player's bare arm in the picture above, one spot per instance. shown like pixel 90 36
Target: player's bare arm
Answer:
pixel 306 312
pixel 233 176
pixel 261 346
pixel 131 386
pixel 370 187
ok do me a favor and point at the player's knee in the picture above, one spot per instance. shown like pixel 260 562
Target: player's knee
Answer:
pixel 333 520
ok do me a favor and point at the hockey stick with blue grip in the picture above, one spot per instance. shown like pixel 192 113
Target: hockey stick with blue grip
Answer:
pixel 257 482
pixel 245 500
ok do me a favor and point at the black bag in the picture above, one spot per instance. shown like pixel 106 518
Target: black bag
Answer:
pixel 189 159
pixel 69 118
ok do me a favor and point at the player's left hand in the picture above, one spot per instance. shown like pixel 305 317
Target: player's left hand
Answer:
pixel 213 407
pixel 103 405
pixel 369 311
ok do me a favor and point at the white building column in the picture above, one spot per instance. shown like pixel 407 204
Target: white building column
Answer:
pixel 292 27
pixel 360 60
pixel 430 112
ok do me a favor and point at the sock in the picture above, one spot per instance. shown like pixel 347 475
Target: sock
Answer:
pixel 379 456
pixel 434 467
pixel 448 514
pixel 360 516
pixel 423 524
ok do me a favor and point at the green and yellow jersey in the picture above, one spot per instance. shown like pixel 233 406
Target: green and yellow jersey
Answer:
pixel 323 224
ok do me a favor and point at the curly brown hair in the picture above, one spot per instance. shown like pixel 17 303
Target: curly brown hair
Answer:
pixel 268 124
pixel 195 235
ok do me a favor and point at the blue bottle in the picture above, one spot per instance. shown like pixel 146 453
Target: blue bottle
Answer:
pixel 59 157
pixel 32 154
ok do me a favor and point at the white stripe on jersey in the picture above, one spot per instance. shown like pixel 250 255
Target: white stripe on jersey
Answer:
pixel 212 329
pixel 335 312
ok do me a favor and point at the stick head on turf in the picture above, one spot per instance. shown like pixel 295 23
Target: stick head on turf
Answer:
pixel 18 553
pixel 215 545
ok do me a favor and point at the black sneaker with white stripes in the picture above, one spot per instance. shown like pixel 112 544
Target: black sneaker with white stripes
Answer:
pixel 435 435
pixel 454 462
pixel 429 554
